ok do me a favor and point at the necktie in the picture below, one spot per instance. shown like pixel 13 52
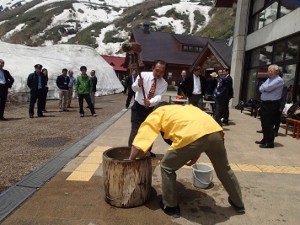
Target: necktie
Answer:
pixel 152 90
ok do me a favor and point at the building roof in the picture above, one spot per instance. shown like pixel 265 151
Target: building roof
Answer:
pixel 220 49
pixel 115 61
pixel 165 46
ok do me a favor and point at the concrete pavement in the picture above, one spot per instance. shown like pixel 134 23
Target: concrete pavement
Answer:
pixel 269 179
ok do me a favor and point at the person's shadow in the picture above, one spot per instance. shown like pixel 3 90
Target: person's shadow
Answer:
pixel 195 205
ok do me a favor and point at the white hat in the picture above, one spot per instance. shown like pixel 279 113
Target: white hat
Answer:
pixel 214 74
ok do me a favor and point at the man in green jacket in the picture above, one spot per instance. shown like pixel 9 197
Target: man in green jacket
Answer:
pixel 84 87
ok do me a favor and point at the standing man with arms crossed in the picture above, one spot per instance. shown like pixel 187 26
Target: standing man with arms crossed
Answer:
pixel 6 81
pixel 229 86
pixel 155 87
pixel 190 132
pixel 71 88
pixel 271 92
pixel 194 87
pixel 62 83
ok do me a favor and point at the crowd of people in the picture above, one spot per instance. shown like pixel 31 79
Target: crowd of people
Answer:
pixel 218 88
pixel 84 86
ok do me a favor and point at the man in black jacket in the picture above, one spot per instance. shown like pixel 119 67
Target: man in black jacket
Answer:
pixel 6 81
pixel 195 92
pixel 129 81
pixel 62 83
pixel 94 89
pixel 180 81
pixel 37 83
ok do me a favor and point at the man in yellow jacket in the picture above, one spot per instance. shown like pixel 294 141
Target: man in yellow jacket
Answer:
pixel 190 132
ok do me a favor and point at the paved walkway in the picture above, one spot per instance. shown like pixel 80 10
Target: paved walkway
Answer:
pixel 269 179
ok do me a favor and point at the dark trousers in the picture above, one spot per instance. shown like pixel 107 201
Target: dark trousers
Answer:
pixel 218 110
pixel 45 98
pixel 129 97
pixel 196 100
pixel 268 117
pixel 225 111
pixel 138 114
pixel 277 123
pixel 3 97
pixel 213 146
pixel 39 96
pixel 88 100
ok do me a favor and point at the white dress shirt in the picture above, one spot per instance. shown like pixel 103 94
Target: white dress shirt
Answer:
pixel 197 85
pixel 148 79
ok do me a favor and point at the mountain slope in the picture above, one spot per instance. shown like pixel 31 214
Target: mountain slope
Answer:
pixel 105 24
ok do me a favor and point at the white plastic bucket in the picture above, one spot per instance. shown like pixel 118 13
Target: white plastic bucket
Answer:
pixel 202 175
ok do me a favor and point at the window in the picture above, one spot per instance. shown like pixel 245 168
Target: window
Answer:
pixel 292 48
pixel 262 56
pixel 286 55
pixel 266 12
pixel 288 6
pixel 270 13
pixel 279 51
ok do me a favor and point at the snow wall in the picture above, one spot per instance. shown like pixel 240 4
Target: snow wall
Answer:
pixel 20 61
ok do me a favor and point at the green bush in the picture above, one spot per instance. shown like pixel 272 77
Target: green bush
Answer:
pixel 109 37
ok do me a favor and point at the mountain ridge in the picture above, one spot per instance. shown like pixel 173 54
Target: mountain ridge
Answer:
pixel 105 26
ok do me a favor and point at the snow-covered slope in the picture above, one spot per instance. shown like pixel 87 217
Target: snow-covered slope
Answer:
pixel 84 13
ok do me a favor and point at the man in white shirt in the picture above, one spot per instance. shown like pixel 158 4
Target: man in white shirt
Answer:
pixel 143 106
pixel 194 87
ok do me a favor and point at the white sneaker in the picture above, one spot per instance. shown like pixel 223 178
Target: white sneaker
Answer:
pixel 81 115
pixel 94 115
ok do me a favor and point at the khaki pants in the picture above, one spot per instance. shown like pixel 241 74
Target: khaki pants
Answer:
pixel 213 146
pixel 63 99
pixel 70 96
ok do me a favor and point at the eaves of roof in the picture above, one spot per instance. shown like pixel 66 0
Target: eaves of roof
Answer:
pixel 115 62
pixel 220 50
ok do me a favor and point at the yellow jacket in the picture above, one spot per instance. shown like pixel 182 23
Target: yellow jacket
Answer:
pixel 181 124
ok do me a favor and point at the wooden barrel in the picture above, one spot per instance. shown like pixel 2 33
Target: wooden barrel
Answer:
pixel 127 183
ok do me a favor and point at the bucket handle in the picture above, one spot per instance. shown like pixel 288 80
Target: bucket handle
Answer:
pixel 202 182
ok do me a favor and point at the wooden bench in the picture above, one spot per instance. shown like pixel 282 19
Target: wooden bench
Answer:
pixel 296 127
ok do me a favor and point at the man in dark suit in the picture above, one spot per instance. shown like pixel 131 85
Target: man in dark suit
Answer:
pixel 194 88
pixel 36 81
pixel 129 81
pixel 229 85
pixel 180 81
pixel 6 81
pixel 95 81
